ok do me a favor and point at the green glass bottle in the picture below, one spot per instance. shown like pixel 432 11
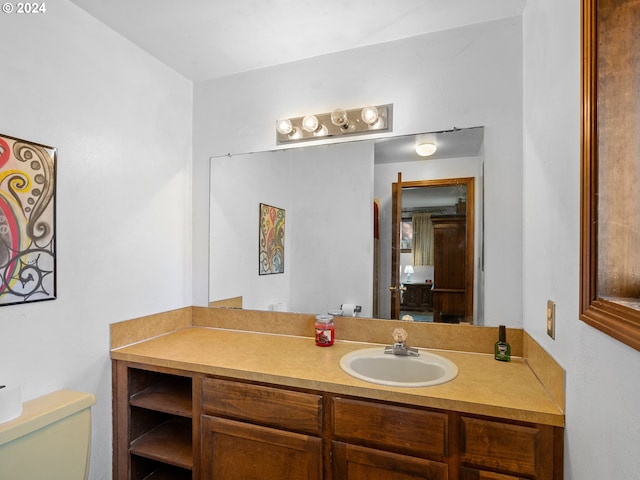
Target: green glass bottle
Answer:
pixel 502 349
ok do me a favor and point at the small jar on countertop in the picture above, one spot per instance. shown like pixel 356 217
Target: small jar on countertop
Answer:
pixel 325 330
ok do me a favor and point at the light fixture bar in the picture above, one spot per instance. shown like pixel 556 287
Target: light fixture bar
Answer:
pixel 357 121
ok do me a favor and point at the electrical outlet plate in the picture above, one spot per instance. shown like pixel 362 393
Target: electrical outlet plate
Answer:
pixel 551 319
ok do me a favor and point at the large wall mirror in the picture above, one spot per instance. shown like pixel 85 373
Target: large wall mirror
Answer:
pixel 337 202
pixel 610 218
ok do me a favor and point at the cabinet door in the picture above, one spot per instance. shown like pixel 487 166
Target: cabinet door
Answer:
pixel 239 451
pixel 352 462
pixel 473 474
pixel 521 450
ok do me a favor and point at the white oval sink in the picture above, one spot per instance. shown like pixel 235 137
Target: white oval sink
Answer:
pixel 375 366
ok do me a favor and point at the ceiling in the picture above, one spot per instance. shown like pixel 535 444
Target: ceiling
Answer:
pixel 455 143
pixel 205 39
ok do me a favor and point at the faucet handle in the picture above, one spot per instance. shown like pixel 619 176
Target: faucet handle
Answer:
pixel 399 335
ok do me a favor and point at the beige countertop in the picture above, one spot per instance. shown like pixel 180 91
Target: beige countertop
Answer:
pixel 483 386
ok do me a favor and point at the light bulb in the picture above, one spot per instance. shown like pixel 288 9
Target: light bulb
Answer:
pixel 426 149
pixel 295 134
pixel 321 131
pixel 339 118
pixel 310 123
pixel 284 126
pixel 369 115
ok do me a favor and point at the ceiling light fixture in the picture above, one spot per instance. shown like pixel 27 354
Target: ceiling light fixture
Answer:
pixel 367 120
pixel 426 149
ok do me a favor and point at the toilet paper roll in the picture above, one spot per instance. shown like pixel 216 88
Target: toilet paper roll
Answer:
pixel 348 310
pixel 10 402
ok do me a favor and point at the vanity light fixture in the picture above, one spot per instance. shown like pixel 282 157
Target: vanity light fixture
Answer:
pixel 426 149
pixel 361 121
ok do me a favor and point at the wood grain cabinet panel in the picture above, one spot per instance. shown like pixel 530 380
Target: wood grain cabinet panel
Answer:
pixel 269 406
pixel 524 450
pixel 179 425
pixel 408 430
pixel 453 279
pixel 153 424
pixel 239 451
pixel 352 462
pixel 474 474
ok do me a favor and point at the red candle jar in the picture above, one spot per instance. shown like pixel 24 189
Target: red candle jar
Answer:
pixel 325 330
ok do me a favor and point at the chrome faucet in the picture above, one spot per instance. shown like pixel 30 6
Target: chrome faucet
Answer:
pixel 399 346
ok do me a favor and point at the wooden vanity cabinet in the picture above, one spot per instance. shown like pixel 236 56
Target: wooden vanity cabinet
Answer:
pixel 474 474
pixel 376 441
pixel 153 424
pixel 176 425
pixel 352 462
pixel 237 451
pixel 256 431
pixel 522 450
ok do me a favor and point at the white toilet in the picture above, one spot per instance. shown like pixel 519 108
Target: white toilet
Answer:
pixel 51 439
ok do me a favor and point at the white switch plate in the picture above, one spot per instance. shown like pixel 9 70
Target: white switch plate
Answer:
pixel 551 319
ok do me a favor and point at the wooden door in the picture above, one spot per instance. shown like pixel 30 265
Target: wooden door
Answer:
pixel 234 450
pixel 352 462
pixel 396 219
pixel 450 269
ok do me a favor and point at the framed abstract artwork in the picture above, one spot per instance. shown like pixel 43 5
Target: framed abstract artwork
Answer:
pixel 27 221
pixel 271 240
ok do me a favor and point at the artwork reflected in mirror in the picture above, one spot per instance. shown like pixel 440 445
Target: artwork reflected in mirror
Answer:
pixel 271 240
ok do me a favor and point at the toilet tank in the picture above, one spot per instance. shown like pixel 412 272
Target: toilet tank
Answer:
pixel 51 439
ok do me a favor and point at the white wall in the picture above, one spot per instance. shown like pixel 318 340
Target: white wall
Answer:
pixel 238 185
pixel 463 77
pixel 602 415
pixel 122 124
pixel 326 192
pixel 332 240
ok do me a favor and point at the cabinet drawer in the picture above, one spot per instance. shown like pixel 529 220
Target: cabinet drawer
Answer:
pixel 409 430
pixel 473 474
pixel 501 446
pixel 264 405
pixel 352 462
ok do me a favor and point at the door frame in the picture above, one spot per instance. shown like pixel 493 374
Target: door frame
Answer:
pixel 469 183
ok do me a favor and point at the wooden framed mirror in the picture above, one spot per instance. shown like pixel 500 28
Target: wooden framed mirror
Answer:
pixel 610 150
